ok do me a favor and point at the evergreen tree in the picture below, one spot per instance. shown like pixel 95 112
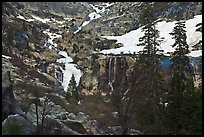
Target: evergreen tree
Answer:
pixel 183 106
pixel 181 69
pixel 149 63
pixel 71 90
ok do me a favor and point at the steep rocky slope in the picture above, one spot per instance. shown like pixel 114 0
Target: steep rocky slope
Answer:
pixel 44 43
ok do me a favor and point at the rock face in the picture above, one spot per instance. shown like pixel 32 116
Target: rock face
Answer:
pixel 9 103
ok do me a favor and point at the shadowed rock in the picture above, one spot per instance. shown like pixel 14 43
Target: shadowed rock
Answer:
pixel 9 104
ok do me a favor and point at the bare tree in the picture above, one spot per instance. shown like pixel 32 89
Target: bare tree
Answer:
pixel 43 106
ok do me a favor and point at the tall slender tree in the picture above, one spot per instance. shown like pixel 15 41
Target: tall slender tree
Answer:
pixel 182 108
pixel 149 62
pixel 180 66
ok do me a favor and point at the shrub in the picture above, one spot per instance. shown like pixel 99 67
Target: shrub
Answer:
pixel 12 129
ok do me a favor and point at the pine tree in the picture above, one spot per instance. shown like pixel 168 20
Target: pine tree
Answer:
pixel 181 69
pixel 180 113
pixel 149 63
pixel 72 88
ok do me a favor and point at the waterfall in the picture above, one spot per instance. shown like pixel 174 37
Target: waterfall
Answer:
pixel 111 78
pixel 109 71
pixel 115 63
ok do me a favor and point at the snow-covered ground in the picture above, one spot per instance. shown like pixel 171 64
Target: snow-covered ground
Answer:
pixel 70 69
pixel 131 39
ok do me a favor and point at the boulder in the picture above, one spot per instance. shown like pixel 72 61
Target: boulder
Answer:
pixel 55 127
pixel 16 124
pixel 75 125
pixel 90 125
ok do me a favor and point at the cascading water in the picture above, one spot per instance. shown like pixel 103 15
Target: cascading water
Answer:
pixel 111 70
pixel 117 67
pixel 115 63
pixel 109 74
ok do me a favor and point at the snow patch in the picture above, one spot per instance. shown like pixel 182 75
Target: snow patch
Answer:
pixel 21 17
pixel 94 15
pixel 195 53
pixel 85 23
pixel 30 20
pixel 7 57
pixel 51 37
pixel 40 19
pixel 68 19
